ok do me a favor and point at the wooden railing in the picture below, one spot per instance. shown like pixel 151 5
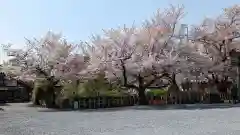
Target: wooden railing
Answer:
pixel 103 102
pixel 190 98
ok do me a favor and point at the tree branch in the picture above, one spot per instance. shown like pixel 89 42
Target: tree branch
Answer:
pixel 154 79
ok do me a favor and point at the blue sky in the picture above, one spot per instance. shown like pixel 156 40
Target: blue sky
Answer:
pixel 79 19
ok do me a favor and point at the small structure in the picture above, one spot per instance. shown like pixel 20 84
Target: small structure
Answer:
pixel 11 91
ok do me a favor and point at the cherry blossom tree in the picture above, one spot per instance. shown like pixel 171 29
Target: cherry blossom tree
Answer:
pixel 16 72
pixel 217 38
pixel 138 57
pixel 51 58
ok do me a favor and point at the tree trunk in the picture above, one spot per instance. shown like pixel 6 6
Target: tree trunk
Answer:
pixel 50 96
pixel 142 97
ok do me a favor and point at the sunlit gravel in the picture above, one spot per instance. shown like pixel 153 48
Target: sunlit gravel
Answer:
pixel 18 119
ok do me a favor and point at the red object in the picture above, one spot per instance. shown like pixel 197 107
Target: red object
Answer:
pixel 156 102
pixel 151 102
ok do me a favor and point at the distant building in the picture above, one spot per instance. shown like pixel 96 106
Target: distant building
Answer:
pixel 13 62
pixel 13 54
pixel 5 81
pixel 12 91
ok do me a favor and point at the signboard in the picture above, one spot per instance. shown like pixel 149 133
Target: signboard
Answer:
pixel 75 105
pixel 183 30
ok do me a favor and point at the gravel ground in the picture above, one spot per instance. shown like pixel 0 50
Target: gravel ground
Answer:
pixel 17 119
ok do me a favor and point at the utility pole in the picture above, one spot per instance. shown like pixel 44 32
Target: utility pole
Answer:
pixel 183 33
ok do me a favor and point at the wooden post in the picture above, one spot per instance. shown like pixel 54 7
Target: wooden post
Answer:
pixel 94 103
pixel 121 100
pixel 108 102
pixel 80 103
pixel 99 102
pixel 84 103
pixel 90 103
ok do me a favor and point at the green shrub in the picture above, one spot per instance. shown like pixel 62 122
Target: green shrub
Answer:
pixel 43 89
pixel 157 92
pixel 113 93
pixel 92 88
pixel 37 93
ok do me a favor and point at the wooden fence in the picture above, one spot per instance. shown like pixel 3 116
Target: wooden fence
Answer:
pixel 103 102
pixel 109 102
pixel 189 98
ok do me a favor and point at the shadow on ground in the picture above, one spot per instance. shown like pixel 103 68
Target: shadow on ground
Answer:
pixel 4 104
pixel 188 107
pixel 156 107
pixel 32 105
pixel 87 110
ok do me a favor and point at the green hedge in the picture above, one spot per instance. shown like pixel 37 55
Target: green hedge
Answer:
pixel 157 92
pixel 92 88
